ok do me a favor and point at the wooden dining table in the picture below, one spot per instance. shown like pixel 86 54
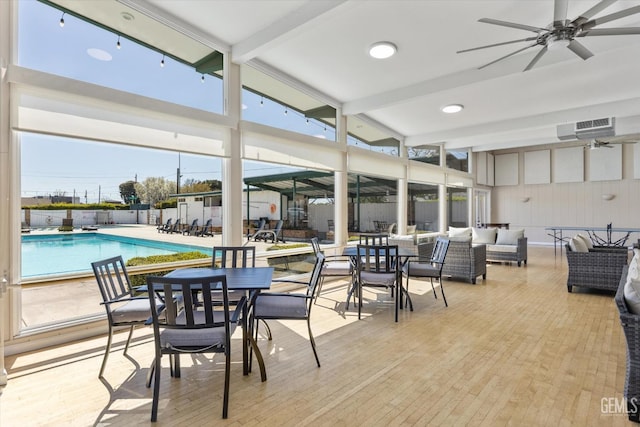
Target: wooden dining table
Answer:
pixel 249 280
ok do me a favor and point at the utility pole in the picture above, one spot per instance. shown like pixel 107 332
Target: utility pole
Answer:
pixel 99 189
pixel 178 176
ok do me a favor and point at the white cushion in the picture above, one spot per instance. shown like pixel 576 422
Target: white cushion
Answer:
pixel 459 232
pixel 484 235
pixel 503 248
pixel 509 237
pixel 633 273
pixel 632 295
pixel 586 240
pixel 577 245
pixel 411 229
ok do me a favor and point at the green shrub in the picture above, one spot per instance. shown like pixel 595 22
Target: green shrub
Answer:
pixel 141 279
pixel 278 247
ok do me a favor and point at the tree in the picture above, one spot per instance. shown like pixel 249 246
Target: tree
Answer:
pixel 193 186
pixel 154 190
pixel 128 192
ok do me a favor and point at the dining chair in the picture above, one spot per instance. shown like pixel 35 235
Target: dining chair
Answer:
pixel 184 326
pixel 428 267
pixel 122 307
pixel 233 256
pixel 376 267
pixel 374 239
pixel 291 306
pixel 334 266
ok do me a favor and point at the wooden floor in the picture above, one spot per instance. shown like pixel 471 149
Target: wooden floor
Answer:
pixel 516 349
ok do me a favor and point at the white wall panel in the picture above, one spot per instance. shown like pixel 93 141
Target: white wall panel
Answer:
pixel 506 169
pixel 568 164
pixel 537 167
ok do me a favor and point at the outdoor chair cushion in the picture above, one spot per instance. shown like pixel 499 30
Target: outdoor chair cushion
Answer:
pixel 509 237
pixel 280 306
pixel 337 268
pixel 377 279
pixel 577 245
pixel 587 241
pixel 503 248
pixel 196 337
pixel 422 269
pixel 484 235
pixel 132 311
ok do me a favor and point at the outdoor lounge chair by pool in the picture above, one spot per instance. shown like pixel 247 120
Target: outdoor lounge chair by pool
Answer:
pixel 162 228
pixel 192 229
pixel 275 235
pixel 260 227
pixel 206 229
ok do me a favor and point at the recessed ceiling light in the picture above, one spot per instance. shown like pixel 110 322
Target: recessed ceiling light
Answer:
pixel 452 108
pixel 127 16
pixel 382 50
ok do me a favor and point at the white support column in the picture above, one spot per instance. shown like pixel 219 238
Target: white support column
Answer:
pixel 341 185
pixel 401 208
pixel 470 208
pixel 442 208
pixel 232 165
pixel 6 236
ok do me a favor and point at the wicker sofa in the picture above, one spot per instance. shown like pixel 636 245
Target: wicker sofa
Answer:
pixel 463 260
pixel 631 326
pixel 599 269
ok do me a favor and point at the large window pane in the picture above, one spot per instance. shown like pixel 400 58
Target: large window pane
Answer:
pixel 423 207
pixel 83 51
pixel 458 207
pixel 425 153
pixel 458 160
pixel 372 203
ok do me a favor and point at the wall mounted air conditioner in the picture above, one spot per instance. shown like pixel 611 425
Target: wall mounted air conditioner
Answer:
pixel 587 129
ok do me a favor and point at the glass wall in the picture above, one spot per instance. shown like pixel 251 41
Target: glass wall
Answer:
pixel 425 153
pixel 458 160
pixel 372 203
pixel 458 207
pixel 83 51
pixel 422 208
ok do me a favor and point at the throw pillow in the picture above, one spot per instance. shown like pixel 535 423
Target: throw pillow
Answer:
pixel 484 235
pixel 508 237
pixel 632 295
pixel 459 232
pixel 587 241
pixel 577 245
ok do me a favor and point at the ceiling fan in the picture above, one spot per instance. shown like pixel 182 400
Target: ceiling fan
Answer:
pixel 562 32
pixel 610 142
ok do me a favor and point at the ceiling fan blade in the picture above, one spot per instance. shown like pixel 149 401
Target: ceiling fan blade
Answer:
pixel 584 17
pixel 536 58
pixel 511 25
pixel 610 32
pixel 506 56
pixel 579 49
pixel 497 44
pixel 560 12
pixel 612 17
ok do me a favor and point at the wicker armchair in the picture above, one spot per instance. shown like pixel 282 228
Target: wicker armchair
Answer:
pixel 631 326
pixel 595 269
pixel 466 261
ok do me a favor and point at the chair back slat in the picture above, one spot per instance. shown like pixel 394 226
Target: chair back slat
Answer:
pixel 234 256
pixel 374 239
pixel 377 258
pixel 440 251
pixel 112 278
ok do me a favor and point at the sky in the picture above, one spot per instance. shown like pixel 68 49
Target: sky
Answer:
pixel 91 170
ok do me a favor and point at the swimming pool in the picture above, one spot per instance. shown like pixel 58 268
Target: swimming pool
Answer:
pixel 73 253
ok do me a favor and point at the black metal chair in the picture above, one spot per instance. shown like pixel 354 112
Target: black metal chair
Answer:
pixel 431 267
pixel 334 266
pixel 206 229
pixel 123 308
pixel 293 306
pixel 377 267
pixel 374 239
pixel 183 325
pixel 192 229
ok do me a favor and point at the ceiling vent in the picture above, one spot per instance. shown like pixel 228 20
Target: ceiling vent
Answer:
pixel 587 129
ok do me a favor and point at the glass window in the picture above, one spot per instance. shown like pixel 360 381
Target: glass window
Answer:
pixel 425 153
pixel 83 51
pixel 372 203
pixel 361 133
pixel 458 160
pixel 423 207
pixel 458 207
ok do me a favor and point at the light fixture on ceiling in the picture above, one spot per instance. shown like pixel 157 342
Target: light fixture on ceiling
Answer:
pixel 382 50
pixel 127 16
pixel 261 101
pixel 118 44
pixel 202 78
pixel 286 111
pixel 62 19
pixel 452 108
pixel 162 62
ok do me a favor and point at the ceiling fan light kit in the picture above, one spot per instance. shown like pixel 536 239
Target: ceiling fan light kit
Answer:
pixel 562 32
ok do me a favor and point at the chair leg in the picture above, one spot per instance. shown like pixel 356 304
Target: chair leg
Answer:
pixel 433 288
pixel 156 389
pixel 150 374
pixel 126 347
pixel 313 342
pixel 359 299
pixel 320 282
pixel 442 290
pixel 106 352
pixel 227 370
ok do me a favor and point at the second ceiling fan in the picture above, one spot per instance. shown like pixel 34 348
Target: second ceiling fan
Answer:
pixel 563 32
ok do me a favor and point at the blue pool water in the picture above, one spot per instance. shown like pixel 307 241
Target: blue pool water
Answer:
pixel 61 254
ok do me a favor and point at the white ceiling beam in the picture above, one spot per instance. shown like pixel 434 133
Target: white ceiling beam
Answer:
pixel 281 30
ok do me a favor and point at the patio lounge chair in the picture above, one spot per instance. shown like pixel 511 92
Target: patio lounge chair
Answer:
pixel 191 230
pixel 175 228
pixel 206 229
pixel 275 235
pixel 261 226
pixel 164 227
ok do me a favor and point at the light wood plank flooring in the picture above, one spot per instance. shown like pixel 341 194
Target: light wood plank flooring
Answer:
pixel 516 349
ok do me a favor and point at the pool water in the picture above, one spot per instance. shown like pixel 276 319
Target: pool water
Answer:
pixel 65 254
